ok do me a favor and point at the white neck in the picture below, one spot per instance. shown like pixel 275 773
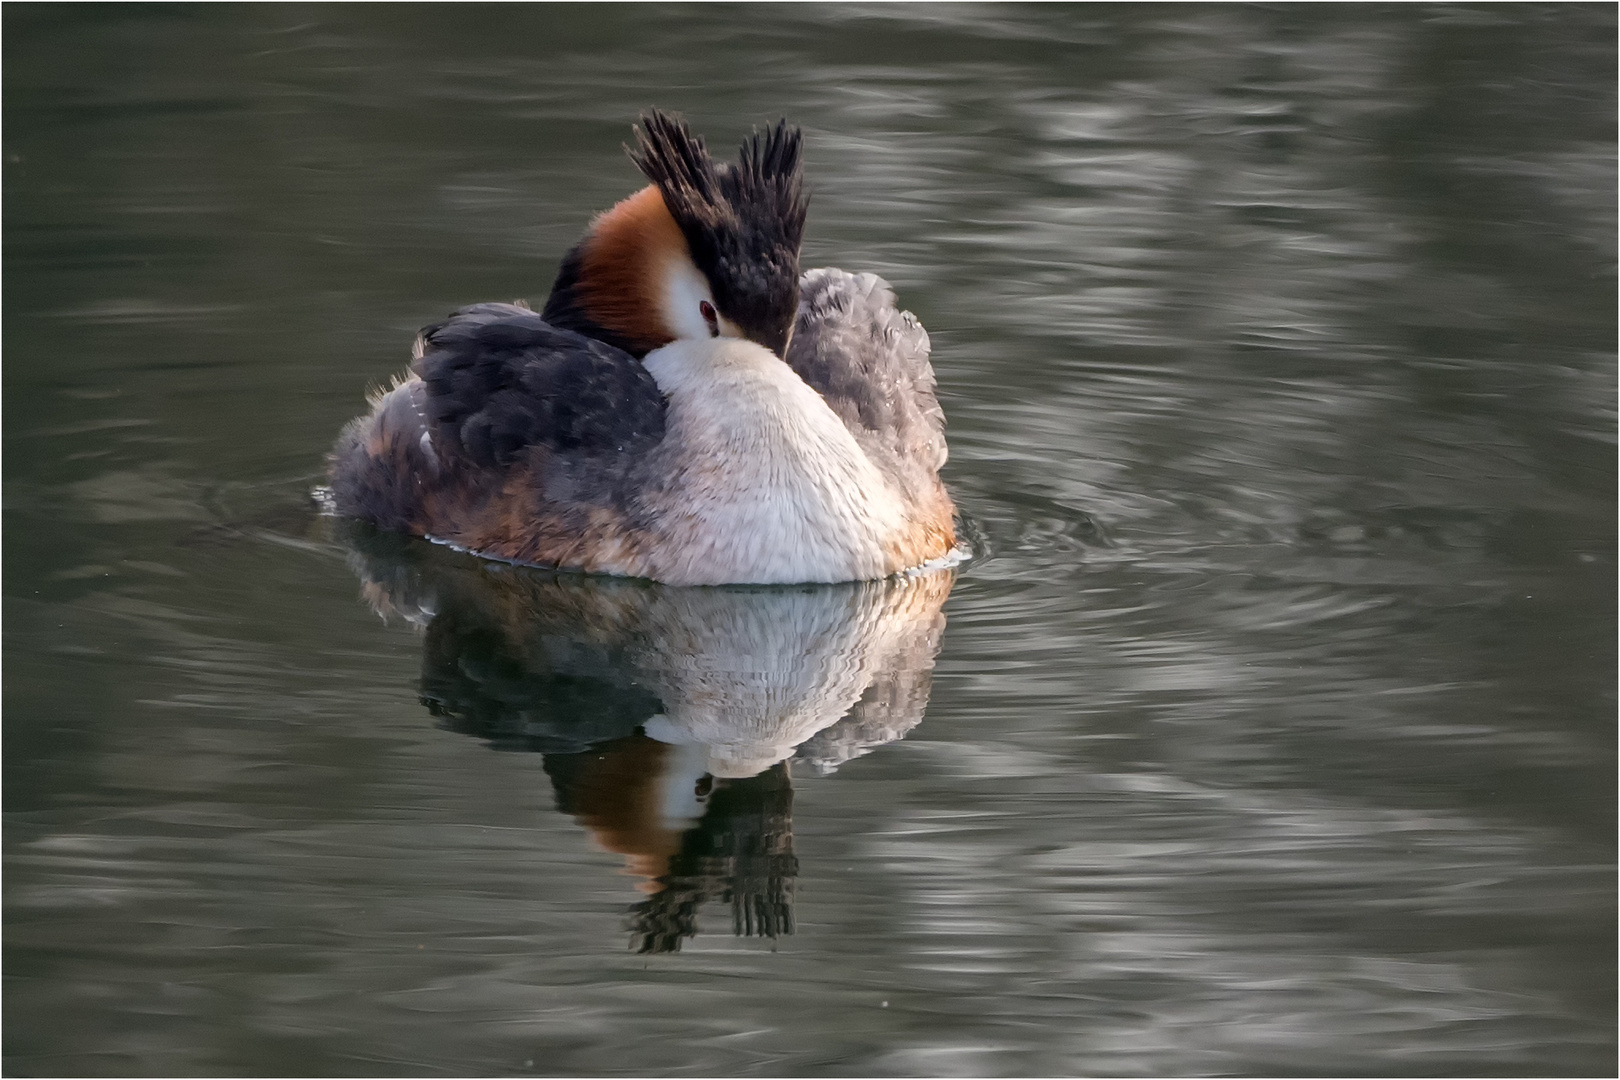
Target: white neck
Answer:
pixel 768 484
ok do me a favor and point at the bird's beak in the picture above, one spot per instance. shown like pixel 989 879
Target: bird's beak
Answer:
pixel 775 341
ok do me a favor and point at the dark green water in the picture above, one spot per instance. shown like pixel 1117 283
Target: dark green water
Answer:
pixel 1274 736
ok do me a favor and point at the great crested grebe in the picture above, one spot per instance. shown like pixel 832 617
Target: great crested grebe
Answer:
pixel 687 407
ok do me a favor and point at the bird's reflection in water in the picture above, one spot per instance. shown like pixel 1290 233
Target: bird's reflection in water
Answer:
pixel 732 842
pixel 668 717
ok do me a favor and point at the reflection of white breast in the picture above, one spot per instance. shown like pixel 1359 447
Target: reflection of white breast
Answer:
pixel 753 675
pixel 766 483
pixel 743 675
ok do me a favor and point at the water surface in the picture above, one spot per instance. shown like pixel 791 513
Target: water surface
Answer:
pixel 1274 733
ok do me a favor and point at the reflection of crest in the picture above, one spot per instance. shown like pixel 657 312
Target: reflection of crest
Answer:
pixel 668 716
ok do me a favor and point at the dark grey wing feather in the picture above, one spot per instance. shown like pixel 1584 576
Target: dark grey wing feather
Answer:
pixel 869 360
pixel 500 380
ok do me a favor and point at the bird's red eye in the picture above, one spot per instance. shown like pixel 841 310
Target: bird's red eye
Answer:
pixel 710 316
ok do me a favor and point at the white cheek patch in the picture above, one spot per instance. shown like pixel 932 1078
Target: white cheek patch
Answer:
pixel 681 288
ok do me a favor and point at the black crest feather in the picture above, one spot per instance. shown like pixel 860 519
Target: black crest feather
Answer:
pixel 744 222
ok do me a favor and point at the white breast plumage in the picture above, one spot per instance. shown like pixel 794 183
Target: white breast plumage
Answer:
pixel 767 484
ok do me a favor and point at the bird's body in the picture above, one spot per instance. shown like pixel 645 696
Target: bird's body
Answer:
pixel 688 407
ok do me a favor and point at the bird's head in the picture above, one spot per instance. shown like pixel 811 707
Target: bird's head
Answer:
pixel 707 250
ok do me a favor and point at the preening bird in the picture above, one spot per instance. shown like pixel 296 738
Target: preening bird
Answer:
pixel 687 407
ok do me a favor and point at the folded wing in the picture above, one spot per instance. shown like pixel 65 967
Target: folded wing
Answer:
pixel 511 437
pixel 502 382
pixel 869 360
